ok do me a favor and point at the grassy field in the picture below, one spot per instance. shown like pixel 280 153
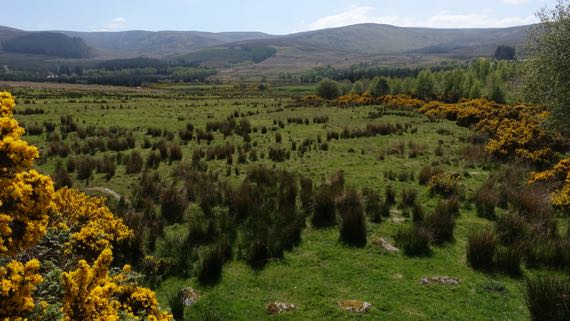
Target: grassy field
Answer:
pixel 322 270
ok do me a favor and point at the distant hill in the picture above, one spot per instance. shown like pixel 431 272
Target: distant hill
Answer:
pixel 47 43
pixel 386 39
pixel 158 44
pixel 256 53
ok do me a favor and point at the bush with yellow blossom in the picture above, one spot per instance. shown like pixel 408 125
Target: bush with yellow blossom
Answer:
pixel 559 174
pixel 30 209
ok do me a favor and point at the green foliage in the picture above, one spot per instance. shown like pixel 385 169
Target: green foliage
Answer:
pixel 481 248
pixel 413 240
pixel 425 85
pixel 352 219
pixel 229 55
pixel 505 53
pixel 328 89
pixel 548 298
pixel 546 74
pixel 48 43
pixel 379 87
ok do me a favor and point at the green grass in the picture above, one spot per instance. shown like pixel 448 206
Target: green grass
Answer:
pixel 321 271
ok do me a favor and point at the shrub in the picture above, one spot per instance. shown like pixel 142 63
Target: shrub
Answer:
pixel 210 262
pixel 409 197
pixel 134 163
pixel 373 205
pixel 426 173
pixel 328 89
pixel 444 184
pixel 413 240
pixel 508 259
pixel 418 214
pixel 278 154
pixel 172 205
pixel 511 228
pixel 324 214
pixel 390 196
pixel 548 298
pixel 85 167
pixel 353 223
pixel 176 302
pixel 306 195
pixel 61 177
pixel 486 200
pixel 441 223
pixel 481 248
pixel 175 153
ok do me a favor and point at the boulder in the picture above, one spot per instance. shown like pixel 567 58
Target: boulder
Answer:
pixel 189 297
pixel 444 280
pixel 385 245
pixel 279 307
pixel 355 306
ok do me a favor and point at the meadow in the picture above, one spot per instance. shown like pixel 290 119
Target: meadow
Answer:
pixel 174 155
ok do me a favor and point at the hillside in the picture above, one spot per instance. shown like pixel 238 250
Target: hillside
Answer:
pixel 159 44
pixel 386 39
pixel 47 43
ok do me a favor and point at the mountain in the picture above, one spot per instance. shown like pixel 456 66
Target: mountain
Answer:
pixel 51 44
pixel 256 53
pixel 160 43
pixel 386 39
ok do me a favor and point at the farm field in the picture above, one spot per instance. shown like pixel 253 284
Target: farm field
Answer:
pixel 108 141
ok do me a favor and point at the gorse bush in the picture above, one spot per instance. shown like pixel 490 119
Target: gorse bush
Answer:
pixel 80 259
pixel 444 184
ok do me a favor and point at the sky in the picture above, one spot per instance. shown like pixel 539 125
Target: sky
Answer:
pixel 270 16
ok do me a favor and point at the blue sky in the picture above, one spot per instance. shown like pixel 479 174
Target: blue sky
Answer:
pixel 277 17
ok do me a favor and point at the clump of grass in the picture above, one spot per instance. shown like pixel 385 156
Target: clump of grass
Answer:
pixel 418 213
pixel 176 302
pixel 373 205
pixel 413 240
pixel 441 223
pixel 324 214
pixel 210 262
pixel 172 205
pixel 486 200
pixel 481 248
pixel 390 195
pixel 353 223
pixel 508 259
pixel 548 298
pixel 409 197
pixel 427 173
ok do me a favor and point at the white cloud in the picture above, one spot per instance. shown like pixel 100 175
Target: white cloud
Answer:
pixel 515 2
pixel 114 24
pixel 365 14
pixel 353 15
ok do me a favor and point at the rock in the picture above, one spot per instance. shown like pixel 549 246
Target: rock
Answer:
pixel 398 220
pixel 355 306
pixel 279 307
pixel 445 280
pixel 385 245
pixel 189 297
